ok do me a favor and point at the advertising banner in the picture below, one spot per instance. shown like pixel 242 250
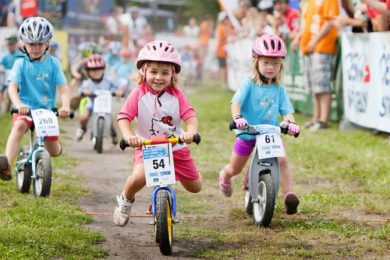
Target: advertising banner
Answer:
pixel 366 79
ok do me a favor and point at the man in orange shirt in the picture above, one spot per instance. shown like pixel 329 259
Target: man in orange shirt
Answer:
pixel 319 60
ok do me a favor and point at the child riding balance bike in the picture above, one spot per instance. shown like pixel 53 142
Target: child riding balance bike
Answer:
pixel 33 83
pixel 159 107
pixel 260 100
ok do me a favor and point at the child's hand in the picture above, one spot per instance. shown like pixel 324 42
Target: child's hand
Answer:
pixel 187 137
pixel 87 92
pixel 119 92
pixel 22 109
pixel 292 127
pixel 133 141
pixel 64 112
pixel 241 123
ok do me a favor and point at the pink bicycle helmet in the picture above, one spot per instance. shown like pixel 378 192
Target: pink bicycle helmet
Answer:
pixel 269 46
pixel 159 51
pixel 94 62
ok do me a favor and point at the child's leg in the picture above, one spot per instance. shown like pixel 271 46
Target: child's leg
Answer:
pixel 286 178
pixel 291 200
pixel 193 186
pixel 53 147
pixel 17 132
pixel 124 202
pixel 135 182
pixel 84 118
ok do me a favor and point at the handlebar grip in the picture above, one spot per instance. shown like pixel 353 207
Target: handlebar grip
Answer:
pixel 232 125
pixel 196 139
pixel 284 130
pixel 14 111
pixel 123 144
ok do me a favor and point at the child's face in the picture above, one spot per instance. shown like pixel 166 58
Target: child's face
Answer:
pixel 96 74
pixel 12 46
pixel 159 75
pixel 36 50
pixel 270 67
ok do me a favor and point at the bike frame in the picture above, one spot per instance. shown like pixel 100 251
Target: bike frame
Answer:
pixel 262 166
pixel 172 197
pixel 32 153
pixel 107 123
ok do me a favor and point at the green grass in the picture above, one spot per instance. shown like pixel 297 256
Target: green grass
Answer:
pixel 46 228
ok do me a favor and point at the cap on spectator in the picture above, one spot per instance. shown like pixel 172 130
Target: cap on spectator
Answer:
pixel 12 39
pixel 222 16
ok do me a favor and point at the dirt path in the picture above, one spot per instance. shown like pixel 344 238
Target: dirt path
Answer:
pixel 104 176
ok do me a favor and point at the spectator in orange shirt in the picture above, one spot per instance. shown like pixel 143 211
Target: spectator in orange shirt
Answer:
pixel 222 32
pixel 206 30
pixel 319 61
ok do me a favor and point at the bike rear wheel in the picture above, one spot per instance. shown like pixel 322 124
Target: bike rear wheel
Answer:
pixel 263 209
pixel 164 222
pixel 23 174
pixel 43 174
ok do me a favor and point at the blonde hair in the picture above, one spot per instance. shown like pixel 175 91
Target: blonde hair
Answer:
pixel 256 73
pixel 140 78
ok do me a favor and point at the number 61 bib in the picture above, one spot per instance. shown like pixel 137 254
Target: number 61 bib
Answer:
pixel 269 145
pixel 158 164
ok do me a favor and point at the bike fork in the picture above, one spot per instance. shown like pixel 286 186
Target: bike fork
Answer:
pixel 172 195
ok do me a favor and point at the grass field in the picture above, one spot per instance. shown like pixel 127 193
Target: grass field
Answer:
pixel 342 179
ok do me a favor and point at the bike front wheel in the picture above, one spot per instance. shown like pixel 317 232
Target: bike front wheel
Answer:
pixel 99 135
pixel 43 174
pixel 263 208
pixel 164 222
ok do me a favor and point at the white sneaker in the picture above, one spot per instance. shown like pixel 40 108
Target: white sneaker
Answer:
pixel 79 134
pixel 122 211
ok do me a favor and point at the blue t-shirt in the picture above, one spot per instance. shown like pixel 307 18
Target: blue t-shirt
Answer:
pixel 37 81
pixel 262 104
pixel 8 59
pixel 123 69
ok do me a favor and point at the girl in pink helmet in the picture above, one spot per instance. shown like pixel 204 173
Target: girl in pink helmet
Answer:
pixel 260 100
pixel 158 106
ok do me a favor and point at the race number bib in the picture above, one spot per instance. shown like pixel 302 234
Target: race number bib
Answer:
pixel 45 122
pixel 102 101
pixel 269 145
pixel 158 163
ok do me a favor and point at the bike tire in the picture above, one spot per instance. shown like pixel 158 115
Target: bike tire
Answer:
pixel 164 222
pixel 23 175
pixel 99 135
pixel 248 204
pixel 263 211
pixel 43 172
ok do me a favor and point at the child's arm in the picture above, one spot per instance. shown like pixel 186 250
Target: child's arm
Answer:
pixel 14 96
pixel 65 100
pixel 192 129
pixel 289 121
pixel 125 128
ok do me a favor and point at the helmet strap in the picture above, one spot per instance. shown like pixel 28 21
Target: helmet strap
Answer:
pixel 24 49
pixel 264 79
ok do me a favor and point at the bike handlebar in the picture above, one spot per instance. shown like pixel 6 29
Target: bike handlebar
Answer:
pixel 283 129
pixel 54 109
pixel 160 140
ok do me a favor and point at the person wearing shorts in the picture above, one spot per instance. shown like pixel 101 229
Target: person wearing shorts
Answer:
pixel 319 60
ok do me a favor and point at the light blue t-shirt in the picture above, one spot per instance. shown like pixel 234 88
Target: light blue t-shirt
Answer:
pixel 262 104
pixel 37 81
pixel 105 84
pixel 8 59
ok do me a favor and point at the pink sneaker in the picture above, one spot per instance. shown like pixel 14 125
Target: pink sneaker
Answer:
pixel 291 203
pixel 225 187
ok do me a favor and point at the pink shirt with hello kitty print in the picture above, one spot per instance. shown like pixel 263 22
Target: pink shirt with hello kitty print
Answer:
pixel 157 113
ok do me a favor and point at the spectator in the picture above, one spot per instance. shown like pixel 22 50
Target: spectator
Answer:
pixel 288 17
pixel 224 28
pixel 113 25
pixel 191 30
pixel 319 63
pixel 249 23
pixel 379 13
pixel 241 11
pixel 136 25
pixel 206 30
